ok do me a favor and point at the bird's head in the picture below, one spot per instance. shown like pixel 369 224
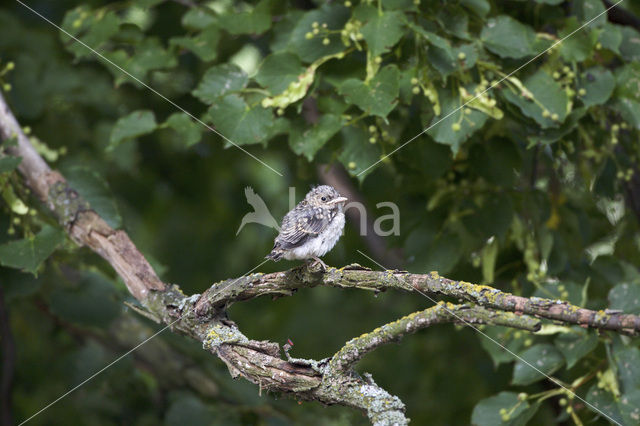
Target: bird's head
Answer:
pixel 325 196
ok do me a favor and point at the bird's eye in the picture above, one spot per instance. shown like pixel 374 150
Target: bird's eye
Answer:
pixel 324 198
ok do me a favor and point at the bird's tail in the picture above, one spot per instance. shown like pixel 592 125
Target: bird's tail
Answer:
pixel 276 253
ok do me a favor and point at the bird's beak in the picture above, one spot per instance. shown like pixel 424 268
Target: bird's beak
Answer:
pixel 338 200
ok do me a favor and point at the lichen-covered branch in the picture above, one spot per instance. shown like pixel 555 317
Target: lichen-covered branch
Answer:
pixel 356 276
pixel 329 381
pixel 441 313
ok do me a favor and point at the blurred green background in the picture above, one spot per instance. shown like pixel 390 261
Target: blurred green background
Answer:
pixel 533 188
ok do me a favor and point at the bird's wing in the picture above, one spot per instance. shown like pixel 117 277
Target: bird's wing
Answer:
pixel 299 226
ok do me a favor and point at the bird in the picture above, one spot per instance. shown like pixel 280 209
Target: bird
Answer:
pixel 260 214
pixel 312 228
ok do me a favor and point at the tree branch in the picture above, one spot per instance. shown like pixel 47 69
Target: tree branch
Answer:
pixel 356 276
pixel 329 381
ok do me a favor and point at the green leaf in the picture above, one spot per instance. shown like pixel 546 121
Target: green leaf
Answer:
pixel 254 21
pixel 335 16
pixel 378 96
pixel 625 297
pixel 78 305
pixel 240 123
pixel 204 44
pixel 544 357
pixel 610 37
pixel 131 126
pixel 576 345
pixel 448 60
pixel 598 83
pixel 627 360
pixel 9 164
pixel 508 38
pixel 188 130
pixel 27 254
pixel 586 10
pixel 357 153
pixel 149 55
pixel 92 187
pixel 218 81
pixel 549 95
pixel 197 18
pixel 489 255
pixel 579 46
pixel 487 411
pixel 548 136
pixel 630 45
pixel 92 27
pixel 603 402
pixel 629 406
pixel 630 111
pixel 442 129
pixel 628 81
pixel 479 7
pixel 279 70
pixel 307 141
pixel 383 31
pixel 455 21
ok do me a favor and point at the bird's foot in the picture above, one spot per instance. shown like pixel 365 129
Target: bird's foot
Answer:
pixel 317 262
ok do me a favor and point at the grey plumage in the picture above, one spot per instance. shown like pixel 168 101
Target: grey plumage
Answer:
pixel 312 228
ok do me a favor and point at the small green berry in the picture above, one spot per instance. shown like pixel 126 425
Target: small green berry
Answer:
pixel 347 4
pixel 10 66
pixel 11 231
pixel 615 128
pixel 546 113
pixel 316 31
pixel 522 396
pixel 324 25
pixel 582 92
pixel 415 90
pixel 315 24
pixel 372 139
pixel 308 36
pixel 6 87
pixel 414 81
pixel 461 56
pixel 455 127
pixel 325 41
pixel 352 165
pixel 598 46
pixel 503 411
pixel 554 117
pixel 378 60
pixel 566 69
pixel 556 75
pixel 562 402
pixel 372 129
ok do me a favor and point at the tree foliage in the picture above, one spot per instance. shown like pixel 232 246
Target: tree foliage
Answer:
pixel 526 180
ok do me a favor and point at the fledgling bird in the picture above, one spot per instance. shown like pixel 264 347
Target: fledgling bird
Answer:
pixel 312 228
